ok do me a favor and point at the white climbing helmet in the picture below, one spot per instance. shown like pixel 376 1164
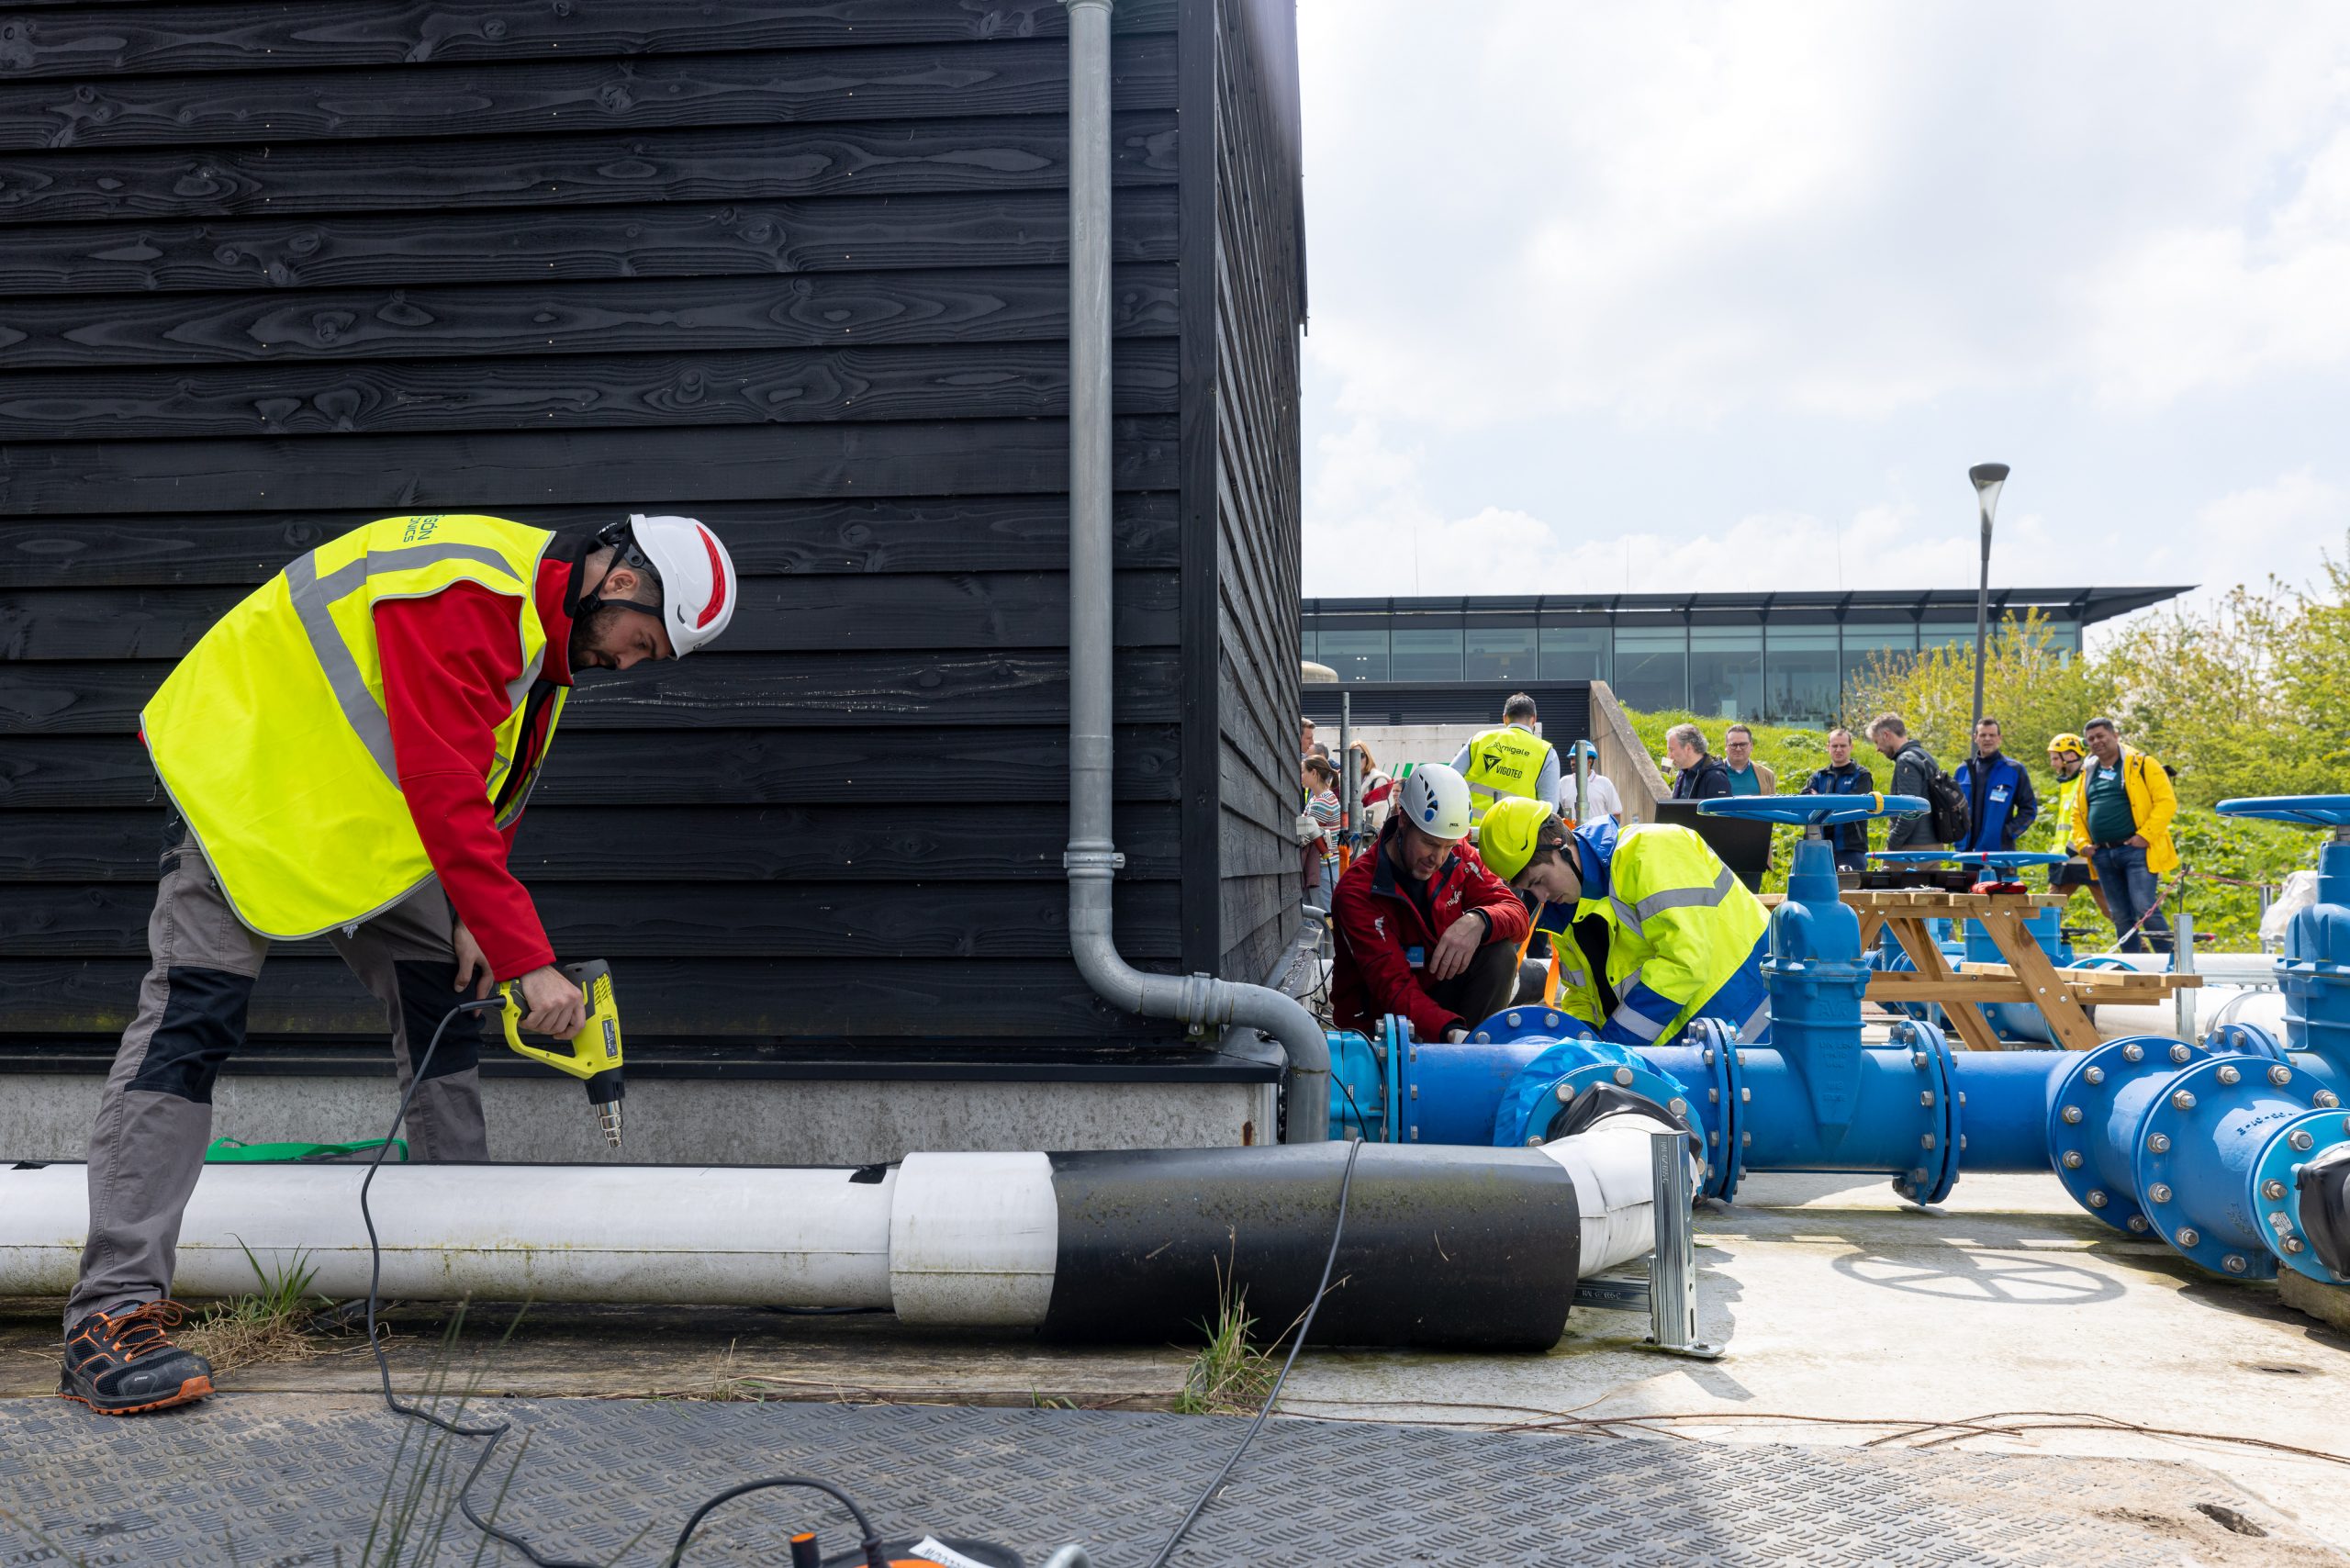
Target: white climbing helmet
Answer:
pixel 698 586
pixel 1435 800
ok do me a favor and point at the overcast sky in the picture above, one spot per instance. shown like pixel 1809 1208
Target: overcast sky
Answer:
pixel 1666 295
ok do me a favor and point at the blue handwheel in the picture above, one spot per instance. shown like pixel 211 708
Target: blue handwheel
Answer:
pixel 2309 811
pixel 1811 810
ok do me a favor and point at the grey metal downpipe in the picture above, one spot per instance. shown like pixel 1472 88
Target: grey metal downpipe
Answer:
pixel 1202 1001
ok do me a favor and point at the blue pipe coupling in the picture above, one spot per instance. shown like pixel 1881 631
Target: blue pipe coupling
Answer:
pixel 2203 1150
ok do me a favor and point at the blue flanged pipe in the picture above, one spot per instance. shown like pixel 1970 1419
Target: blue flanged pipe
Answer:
pixel 2236 1152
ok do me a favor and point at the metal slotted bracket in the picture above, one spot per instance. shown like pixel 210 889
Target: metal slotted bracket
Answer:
pixel 1672 1263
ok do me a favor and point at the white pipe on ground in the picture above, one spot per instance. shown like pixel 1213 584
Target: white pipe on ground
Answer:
pixel 1613 1187
pixel 2264 1006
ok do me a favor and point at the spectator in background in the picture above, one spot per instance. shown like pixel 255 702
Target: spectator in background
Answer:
pixel 1306 737
pixel 1747 777
pixel 1320 780
pixel 1378 791
pixel 2123 813
pixel 1914 770
pixel 2065 755
pixel 1843 776
pixel 1513 761
pixel 1999 799
pixel 1601 802
pixel 1696 776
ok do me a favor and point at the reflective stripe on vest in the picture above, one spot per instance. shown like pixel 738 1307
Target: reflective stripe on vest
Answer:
pixel 270 736
pixel 1504 762
pixel 1658 869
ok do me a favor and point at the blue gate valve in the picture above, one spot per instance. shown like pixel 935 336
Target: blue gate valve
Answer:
pixel 1817 972
pixel 2315 972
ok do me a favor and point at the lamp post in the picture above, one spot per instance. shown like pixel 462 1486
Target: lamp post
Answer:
pixel 1988 477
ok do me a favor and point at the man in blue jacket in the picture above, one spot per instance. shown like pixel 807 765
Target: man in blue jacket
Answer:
pixel 1843 776
pixel 1999 793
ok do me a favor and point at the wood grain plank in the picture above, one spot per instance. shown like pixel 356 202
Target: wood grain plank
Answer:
pixel 1001 228
pixel 977 380
pixel 825 538
pixel 561 92
pixel 724 165
pixel 836 311
pixel 780 999
pixel 794 614
pixel 153 38
pixel 499 470
pixel 714 690
pixel 866 764
pixel 682 919
pixel 983 839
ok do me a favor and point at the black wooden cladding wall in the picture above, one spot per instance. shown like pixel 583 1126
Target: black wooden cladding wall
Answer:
pixel 796 267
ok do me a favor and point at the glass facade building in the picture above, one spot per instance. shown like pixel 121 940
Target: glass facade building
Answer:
pixel 1780 658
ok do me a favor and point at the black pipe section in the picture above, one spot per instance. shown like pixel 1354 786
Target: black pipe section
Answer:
pixel 1451 1247
pixel 2323 1187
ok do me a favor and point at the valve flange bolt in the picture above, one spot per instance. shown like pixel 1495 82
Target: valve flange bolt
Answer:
pixel 1624 1077
pixel 2071 1160
pixel 1566 1093
pixel 1926 1140
pixel 2096 1199
pixel 2230 1076
pixel 2071 1115
pixel 2325 1099
pixel 2273 1190
pixel 2182 1099
pixel 2280 1075
pixel 2159 1142
pixel 1512 1018
pixel 1746 1140
pixel 2300 1138
pixel 1483 1038
pixel 1678 1108
pixel 2159 1192
pixel 2233 1263
pixel 2134 1052
pixel 1919 1061
pixel 2137 1224
pixel 1535 1141
pixel 2182 1051
pixel 1926 1097
pixel 2188 1236
pixel 2095 1075
pixel 2292 1244
pixel 1745 1095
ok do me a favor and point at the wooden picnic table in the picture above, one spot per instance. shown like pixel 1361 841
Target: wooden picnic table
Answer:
pixel 2028 976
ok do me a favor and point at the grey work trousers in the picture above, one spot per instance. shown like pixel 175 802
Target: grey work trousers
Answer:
pixel 155 1117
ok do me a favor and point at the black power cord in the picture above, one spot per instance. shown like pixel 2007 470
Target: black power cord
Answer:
pixel 1337 1230
pixel 495 1431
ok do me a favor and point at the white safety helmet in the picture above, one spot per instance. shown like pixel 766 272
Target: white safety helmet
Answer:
pixel 698 585
pixel 1435 800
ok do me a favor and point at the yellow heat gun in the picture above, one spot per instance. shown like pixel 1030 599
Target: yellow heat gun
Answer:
pixel 593 1055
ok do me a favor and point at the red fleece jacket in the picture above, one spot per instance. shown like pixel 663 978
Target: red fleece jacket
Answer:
pixel 1379 925
pixel 447 660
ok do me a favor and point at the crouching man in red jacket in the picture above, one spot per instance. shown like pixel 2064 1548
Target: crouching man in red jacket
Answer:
pixel 1422 928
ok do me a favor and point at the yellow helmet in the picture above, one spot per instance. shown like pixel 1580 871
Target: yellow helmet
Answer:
pixel 1506 837
pixel 2068 742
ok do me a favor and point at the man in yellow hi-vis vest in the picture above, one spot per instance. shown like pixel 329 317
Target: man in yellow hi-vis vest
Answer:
pixel 1648 928
pixel 346 755
pixel 1512 762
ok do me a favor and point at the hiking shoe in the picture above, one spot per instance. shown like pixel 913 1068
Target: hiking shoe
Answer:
pixel 123 1363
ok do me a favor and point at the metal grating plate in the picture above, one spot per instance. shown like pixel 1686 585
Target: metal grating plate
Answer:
pixel 284 1480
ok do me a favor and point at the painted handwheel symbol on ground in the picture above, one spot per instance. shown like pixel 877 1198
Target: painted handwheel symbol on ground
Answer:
pixel 2000 1278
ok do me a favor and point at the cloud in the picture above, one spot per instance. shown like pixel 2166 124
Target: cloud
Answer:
pixel 1744 290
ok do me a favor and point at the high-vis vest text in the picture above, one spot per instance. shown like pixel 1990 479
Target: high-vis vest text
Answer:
pixel 1507 761
pixel 270 736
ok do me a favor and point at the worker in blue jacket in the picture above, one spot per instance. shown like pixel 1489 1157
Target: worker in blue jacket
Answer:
pixel 2000 797
pixel 1843 776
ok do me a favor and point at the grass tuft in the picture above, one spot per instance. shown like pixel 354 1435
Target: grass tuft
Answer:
pixel 269 1325
pixel 1232 1375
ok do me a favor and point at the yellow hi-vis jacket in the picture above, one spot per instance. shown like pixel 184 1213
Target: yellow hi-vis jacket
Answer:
pixel 2153 803
pixel 1681 930
pixel 270 736
pixel 1507 761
